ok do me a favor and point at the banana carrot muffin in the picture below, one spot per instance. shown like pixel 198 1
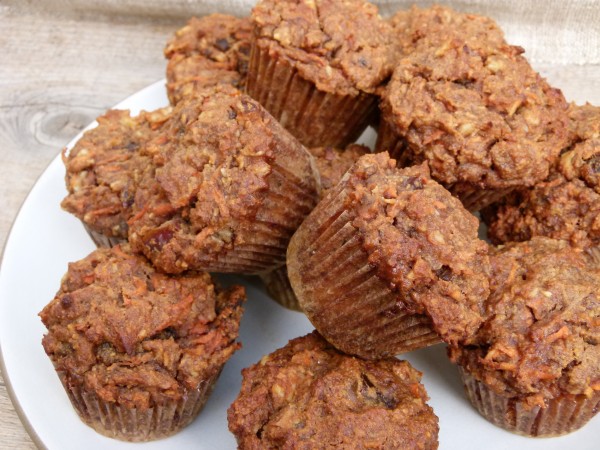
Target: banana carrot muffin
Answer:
pixel 103 170
pixel 567 204
pixel 229 189
pixel 315 65
pixel 332 164
pixel 389 261
pixel 307 395
pixel 473 109
pixel 533 368
pixel 208 51
pixel 138 351
pixel 410 26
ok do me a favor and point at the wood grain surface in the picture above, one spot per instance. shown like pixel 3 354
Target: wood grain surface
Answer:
pixel 65 62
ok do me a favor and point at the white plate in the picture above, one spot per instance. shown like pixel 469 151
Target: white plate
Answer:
pixel 44 239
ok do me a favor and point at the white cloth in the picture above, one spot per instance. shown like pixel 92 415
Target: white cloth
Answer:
pixel 551 31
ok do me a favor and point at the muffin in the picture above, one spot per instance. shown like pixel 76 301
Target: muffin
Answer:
pixel 412 25
pixel 315 64
pixel 332 164
pixel 389 261
pixel 208 51
pixel 472 108
pixel 103 170
pixel 533 367
pixel 229 188
pixel 307 395
pixel 137 351
pixel 566 205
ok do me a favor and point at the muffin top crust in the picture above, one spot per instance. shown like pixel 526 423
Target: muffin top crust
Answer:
pixel 411 26
pixel 541 338
pixel 342 46
pixel 213 160
pixel 136 336
pixel 581 160
pixel 309 395
pixel 567 204
pixel 105 166
pixel 423 243
pixel 207 51
pixel 476 111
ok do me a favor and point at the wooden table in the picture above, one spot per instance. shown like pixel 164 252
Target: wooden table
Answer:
pixel 65 62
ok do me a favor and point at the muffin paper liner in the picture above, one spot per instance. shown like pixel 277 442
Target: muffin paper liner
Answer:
pixel 475 198
pixel 562 415
pixel 316 118
pixel 131 424
pixel 594 253
pixel 342 294
pixel 101 240
pixel 279 288
pixel 388 140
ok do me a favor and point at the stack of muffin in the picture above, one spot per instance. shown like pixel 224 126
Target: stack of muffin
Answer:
pixel 254 159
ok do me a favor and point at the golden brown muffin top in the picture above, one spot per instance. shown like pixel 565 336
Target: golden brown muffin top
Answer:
pixel 413 25
pixel 208 51
pixel 135 336
pixel 567 205
pixel 342 46
pixel 105 166
pixel 556 208
pixel 541 338
pixel 333 163
pixel 307 395
pixel 476 112
pixel 582 160
pixel 213 159
pixel 423 242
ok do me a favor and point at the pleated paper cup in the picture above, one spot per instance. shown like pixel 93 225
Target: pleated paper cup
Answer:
pixel 101 240
pixel 594 253
pixel 136 425
pixel 475 198
pixel 561 415
pixel 316 118
pixel 389 141
pixel 279 288
pixel 340 291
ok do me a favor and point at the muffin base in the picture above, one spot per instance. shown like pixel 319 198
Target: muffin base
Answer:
pixel 316 118
pixel 562 415
pixel 133 425
pixel 279 288
pixel 341 293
